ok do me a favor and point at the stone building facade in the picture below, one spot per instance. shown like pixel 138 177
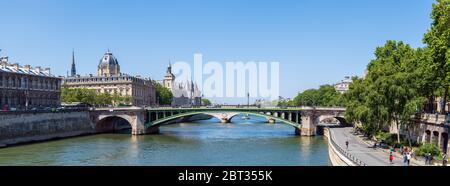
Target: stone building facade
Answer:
pixel 110 80
pixel 344 85
pixel 24 87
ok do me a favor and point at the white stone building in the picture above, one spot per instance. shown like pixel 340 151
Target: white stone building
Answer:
pixel 344 85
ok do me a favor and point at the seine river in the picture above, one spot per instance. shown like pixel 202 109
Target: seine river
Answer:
pixel 251 142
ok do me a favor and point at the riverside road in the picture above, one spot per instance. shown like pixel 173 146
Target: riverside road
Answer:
pixel 361 150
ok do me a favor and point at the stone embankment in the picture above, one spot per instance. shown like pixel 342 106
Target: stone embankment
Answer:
pixel 27 127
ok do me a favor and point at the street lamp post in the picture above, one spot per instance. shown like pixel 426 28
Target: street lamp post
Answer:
pixel 27 87
pixel 248 100
pixel 201 101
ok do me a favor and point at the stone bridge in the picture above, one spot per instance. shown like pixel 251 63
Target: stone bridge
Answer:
pixel 147 120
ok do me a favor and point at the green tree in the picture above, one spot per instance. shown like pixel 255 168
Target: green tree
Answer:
pixel 206 102
pixel 89 96
pixel 326 95
pixel 438 40
pixel 164 95
pixel 392 92
pixel 104 99
pixel 78 95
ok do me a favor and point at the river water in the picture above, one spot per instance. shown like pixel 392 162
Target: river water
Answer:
pixel 241 143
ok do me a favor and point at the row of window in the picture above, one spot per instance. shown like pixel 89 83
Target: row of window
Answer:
pixel 103 79
pixel 33 100
pixel 31 83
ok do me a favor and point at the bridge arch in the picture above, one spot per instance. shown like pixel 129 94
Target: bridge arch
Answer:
pixel 114 123
pixel 342 121
pixel 166 120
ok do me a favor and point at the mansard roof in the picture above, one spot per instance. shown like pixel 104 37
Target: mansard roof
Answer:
pixel 16 68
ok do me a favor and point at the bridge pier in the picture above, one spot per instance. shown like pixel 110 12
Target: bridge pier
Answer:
pixel 309 125
pixel 271 120
pixel 224 117
pixel 298 132
pixel 143 131
pixel 224 120
pixel 152 130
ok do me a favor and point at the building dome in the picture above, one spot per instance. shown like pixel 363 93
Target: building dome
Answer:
pixel 108 66
pixel 108 59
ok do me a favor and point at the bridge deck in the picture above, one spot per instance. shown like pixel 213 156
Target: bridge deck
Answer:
pixel 253 108
pixel 223 108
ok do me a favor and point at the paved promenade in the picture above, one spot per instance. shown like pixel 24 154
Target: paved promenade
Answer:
pixel 362 150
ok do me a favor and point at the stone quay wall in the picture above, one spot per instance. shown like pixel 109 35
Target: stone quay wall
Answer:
pixel 26 127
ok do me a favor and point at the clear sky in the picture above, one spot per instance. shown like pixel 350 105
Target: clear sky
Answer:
pixel 316 42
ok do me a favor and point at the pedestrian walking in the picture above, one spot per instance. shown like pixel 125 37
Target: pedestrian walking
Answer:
pixel 444 159
pixel 405 159
pixel 430 159
pixel 346 144
pixel 391 158
pixel 408 158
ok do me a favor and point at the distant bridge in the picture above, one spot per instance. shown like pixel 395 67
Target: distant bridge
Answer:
pixel 147 120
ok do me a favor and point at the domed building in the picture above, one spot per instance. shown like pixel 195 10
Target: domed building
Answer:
pixel 108 66
pixel 110 80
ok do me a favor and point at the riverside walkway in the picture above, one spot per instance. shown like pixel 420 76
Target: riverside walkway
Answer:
pixel 361 150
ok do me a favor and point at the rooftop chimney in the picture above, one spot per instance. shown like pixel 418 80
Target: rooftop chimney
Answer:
pixel 4 59
pixel 47 71
pixel 27 67
pixel 37 69
pixel 16 66
pixel 3 63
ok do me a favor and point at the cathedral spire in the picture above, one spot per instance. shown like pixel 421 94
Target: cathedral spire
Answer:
pixel 73 71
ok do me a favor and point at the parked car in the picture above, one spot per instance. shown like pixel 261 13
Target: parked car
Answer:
pixel 384 145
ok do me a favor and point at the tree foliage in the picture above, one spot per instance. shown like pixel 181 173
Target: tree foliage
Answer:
pixel 393 90
pixel 92 97
pixel 438 41
pixel 206 102
pixel 326 95
pixel 163 95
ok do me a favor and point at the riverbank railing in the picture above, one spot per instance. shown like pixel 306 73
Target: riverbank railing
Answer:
pixel 346 153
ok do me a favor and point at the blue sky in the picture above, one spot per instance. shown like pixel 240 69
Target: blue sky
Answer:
pixel 316 42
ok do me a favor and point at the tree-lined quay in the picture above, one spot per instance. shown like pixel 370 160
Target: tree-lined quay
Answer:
pixel 400 86
pixel 402 83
